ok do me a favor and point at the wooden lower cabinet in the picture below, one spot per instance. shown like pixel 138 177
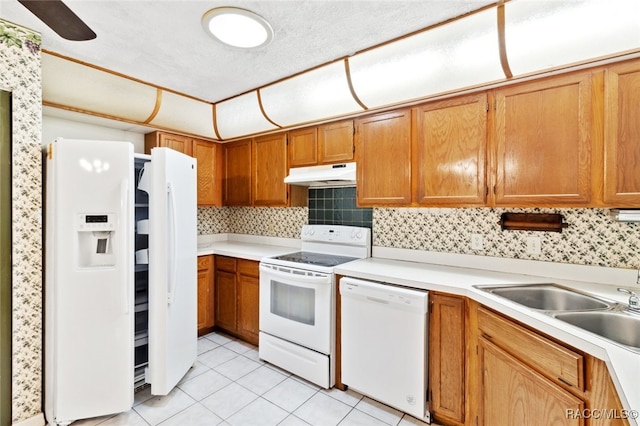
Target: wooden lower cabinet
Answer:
pixel 205 295
pixel 248 288
pixel 447 357
pixel 514 394
pixel 487 369
pixel 526 378
pixel 237 287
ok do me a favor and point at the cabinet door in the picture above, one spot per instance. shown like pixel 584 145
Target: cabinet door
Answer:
pixel 205 294
pixel 225 300
pixel 303 147
pixel 168 140
pixel 447 355
pixel 383 154
pixel 209 160
pixel 269 159
pixel 622 135
pixel 450 152
pixel 248 305
pixel 335 142
pixel 237 181
pixel 543 142
pixel 512 394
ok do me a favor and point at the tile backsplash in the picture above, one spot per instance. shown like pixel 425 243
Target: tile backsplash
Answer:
pixel 337 206
pixel 592 237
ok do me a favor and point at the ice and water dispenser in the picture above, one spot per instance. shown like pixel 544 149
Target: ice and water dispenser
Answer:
pixel 95 239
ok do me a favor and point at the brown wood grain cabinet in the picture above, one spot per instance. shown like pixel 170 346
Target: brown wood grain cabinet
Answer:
pixel 237 297
pixel 543 138
pixel 622 135
pixel 237 181
pixel 303 147
pixel 451 149
pixel 447 357
pixel 248 289
pixel 383 155
pixel 524 377
pixel 323 144
pixel 210 172
pixel 335 142
pixel 206 313
pixel 169 140
pixel 209 161
pixel 225 293
pixel 269 168
pixel 513 394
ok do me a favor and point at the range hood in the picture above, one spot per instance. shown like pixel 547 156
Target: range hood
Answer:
pixel 343 174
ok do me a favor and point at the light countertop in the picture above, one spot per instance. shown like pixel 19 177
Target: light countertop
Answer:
pixel 623 363
pixel 459 274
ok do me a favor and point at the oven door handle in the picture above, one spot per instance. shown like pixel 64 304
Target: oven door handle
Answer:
pixel 324 279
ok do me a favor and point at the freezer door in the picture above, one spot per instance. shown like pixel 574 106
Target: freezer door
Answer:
pixel 89 279
pixel 172 269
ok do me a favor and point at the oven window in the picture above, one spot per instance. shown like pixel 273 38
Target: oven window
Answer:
pixel 293 303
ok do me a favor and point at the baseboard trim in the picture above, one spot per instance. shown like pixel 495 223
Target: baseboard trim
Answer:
pixel 37 420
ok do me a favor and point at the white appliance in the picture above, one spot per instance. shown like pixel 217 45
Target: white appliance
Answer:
pixel 384 343
pixel 297 300
pixel 324 175
pixel 118 304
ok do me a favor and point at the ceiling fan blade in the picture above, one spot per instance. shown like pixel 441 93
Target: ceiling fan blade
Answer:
pixel 60 19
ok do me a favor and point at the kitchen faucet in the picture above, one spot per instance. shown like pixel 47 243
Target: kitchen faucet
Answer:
pixel 634 301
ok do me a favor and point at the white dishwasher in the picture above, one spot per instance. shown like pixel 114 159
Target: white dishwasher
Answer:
pixel 384 344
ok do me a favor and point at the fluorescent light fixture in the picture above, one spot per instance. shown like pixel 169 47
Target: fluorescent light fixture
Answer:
pixel 237 27
pixel 452 56
pixel 543 34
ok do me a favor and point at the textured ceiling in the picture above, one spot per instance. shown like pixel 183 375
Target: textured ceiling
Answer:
pixel 163 43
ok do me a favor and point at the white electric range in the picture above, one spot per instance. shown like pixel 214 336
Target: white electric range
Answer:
pixel 298 298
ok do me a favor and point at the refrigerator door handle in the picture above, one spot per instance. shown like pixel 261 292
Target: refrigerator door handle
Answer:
pixel 174 254
pixel 127 233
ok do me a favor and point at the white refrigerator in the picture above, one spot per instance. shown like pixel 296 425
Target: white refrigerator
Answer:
pixel 120 275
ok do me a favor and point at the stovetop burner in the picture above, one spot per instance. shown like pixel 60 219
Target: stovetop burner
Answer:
pixel 319 259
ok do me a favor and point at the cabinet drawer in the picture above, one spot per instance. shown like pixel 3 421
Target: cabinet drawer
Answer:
pixel 549 358
pixel 249 267
pixel 224 263
pixel 204 262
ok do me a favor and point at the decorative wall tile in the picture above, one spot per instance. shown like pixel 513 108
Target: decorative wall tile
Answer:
pixel 284 222
pixel 20 73
pixel 213 220
pixel 592 238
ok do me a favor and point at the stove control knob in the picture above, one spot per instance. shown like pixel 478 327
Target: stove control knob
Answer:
pixel 359 235
pixel 311 231
pixel 353 235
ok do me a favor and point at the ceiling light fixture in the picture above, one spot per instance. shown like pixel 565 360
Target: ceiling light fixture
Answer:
pixel 237 27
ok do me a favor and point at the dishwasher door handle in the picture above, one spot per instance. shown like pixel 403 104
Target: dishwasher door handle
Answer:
pixel 377 300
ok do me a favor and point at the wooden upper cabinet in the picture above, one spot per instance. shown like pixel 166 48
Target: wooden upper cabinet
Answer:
pixel 208 157
pixel 335 142
pixel 622 135
pixel 543 142
pixel 303 147
pixel 237 181
pixel 269 159
pixel 451 146
pixel 210 172
pixel 160 139
pixel 383 154
pixel 325 144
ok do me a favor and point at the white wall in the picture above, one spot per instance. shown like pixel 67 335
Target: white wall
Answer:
pixel 54 127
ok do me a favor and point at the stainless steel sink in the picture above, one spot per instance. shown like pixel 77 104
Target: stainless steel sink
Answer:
pixel 618 325
pixel 548 297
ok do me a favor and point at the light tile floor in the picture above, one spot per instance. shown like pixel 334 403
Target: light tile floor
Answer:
pixel 230 385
